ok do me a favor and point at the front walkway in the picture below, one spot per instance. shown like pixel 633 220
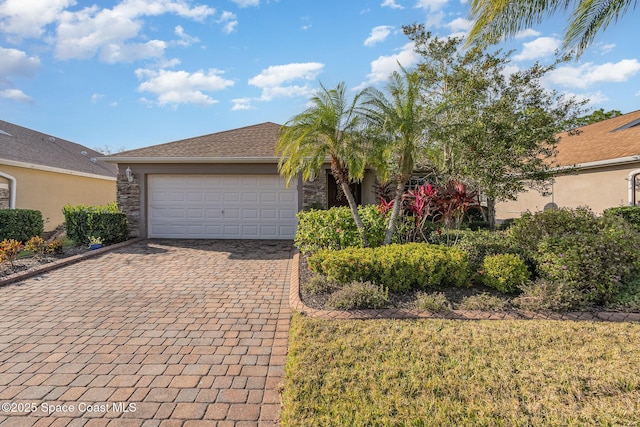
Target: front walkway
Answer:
pixel 158 333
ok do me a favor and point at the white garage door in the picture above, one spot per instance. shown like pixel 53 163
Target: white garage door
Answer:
pixel 221 207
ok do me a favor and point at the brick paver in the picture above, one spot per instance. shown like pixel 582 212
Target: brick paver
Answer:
pixel 156 333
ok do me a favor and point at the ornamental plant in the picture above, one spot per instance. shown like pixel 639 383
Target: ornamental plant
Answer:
pixel 9 250
pixel 504 272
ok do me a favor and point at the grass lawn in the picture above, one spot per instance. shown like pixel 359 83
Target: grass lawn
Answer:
pixel 461 373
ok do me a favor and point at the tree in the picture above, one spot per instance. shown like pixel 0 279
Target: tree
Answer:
pixel 490 130
pixel 329 129
pixel 495 19
pixel 397 123
pixel 597 116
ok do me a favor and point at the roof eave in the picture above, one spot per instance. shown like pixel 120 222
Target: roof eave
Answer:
pixel 601 163
pixel 125 159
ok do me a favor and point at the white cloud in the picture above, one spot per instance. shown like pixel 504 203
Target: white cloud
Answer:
pixel 539 48
pixel 185 39
pixel 529 32
pixel 593 98
pixel 241 104
pixel 96 97
pixel 246 3
pixel 89 31
pixel 229 22
pixel 431 5
pixel 605 48
pixel 29 18
pixel 588 74
pixel 16 62
pixel 460 25
pixel 16 95
pixel 382 67
pixel 182 87
pixel 273 80
pixel 392 4
pixel 378 35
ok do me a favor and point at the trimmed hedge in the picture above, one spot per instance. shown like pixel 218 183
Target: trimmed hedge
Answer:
pixel 335 228
pixel 397 267
pixel 20 224
pixel 630 213
pixel 106 222
pixel 504 272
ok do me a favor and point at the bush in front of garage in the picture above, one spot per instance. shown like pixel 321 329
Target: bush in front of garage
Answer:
pixel 106 222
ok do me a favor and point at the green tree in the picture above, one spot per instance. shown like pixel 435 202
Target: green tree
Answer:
pixel 396 123
pixel 329 129
pixel 598 116
pixel 490 130
pixel 495 19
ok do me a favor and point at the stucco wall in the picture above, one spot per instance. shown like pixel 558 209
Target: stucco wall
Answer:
pixel 48 192
pixel 597 188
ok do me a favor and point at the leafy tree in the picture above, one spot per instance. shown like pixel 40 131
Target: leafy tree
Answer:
pixel 396 122
pixel 495 19
pixel 493 131
pixel 597 116
pixel 331 129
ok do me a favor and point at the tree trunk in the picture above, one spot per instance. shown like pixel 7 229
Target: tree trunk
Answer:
pixel 491 213
pixel 354 211
pixel 395 212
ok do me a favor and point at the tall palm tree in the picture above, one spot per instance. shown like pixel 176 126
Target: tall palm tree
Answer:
pixel 328 130
pixel 495 19
pixel 398 122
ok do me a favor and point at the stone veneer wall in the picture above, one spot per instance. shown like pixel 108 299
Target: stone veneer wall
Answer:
pixel 5 198
pixel 315 192
pixel 129 202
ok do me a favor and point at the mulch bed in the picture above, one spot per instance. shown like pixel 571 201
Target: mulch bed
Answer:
pixel 27 263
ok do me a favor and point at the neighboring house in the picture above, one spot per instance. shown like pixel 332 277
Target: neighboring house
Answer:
pixel 42 172
pixel 606 161
pixel 223 185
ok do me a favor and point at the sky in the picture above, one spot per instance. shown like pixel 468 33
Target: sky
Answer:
pixel 124 74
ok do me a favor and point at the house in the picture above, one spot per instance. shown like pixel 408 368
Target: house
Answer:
pixel 42 172
pixel 223 185
pixel 603 165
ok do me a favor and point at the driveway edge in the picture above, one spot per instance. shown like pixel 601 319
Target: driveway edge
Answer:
pixel 44 268
pixel 296 304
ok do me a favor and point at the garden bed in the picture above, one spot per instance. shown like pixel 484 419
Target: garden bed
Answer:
pixel 30 262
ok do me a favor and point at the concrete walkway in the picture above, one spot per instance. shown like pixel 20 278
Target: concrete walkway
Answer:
pixel 158 333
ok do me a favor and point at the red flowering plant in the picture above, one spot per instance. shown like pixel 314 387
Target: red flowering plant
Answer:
pixel 421 204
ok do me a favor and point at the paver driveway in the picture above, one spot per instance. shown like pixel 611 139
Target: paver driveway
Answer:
pixel 158 333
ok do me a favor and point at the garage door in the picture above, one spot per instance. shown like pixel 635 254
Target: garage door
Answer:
pixel 221 207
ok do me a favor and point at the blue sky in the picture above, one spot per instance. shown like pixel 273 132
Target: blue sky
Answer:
pixel 133 73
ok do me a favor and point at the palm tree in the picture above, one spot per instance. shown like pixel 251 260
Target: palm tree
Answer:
pixel 328 130
pixel 397 122
pixel 495 19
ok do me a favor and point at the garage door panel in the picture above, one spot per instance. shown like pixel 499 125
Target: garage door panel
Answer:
pixel 221 206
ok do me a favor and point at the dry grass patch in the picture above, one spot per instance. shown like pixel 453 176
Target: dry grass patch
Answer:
pixel 461 373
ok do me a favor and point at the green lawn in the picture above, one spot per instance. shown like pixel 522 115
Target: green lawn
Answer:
pixel 462 373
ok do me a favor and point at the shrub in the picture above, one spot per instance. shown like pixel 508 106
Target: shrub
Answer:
pixel 630 213
pixel 628 299
pixel 545 295
pixel 398 267
pixel 436 302
pixel 319 285
pixel 20 224
pixel 335 228
pixel 358 295
pixel 9 250
pixel 594 264
pixel 106 222
pixel 483 302
pixel 504 272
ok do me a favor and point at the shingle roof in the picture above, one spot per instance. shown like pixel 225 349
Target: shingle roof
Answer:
pixel 605 140
pixel 250 142
pixel 24 145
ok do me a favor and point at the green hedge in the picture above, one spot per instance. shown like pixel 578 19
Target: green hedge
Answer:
pixel 20 224
pixel 630 213
pixel 106 222
pixel 397 267
pixel 504 272
pixel 335 228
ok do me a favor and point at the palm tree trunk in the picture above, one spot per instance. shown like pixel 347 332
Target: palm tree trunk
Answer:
pixel 354 211
pixel 395 212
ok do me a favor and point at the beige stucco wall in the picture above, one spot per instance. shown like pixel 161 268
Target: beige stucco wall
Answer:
pixel 48 192
pixel 599 189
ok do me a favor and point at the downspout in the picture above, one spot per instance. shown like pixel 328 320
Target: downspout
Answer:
pixel 12 189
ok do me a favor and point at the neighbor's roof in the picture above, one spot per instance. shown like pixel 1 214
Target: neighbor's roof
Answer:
pixel 24 147
pixel 250 142
pixel 616 138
